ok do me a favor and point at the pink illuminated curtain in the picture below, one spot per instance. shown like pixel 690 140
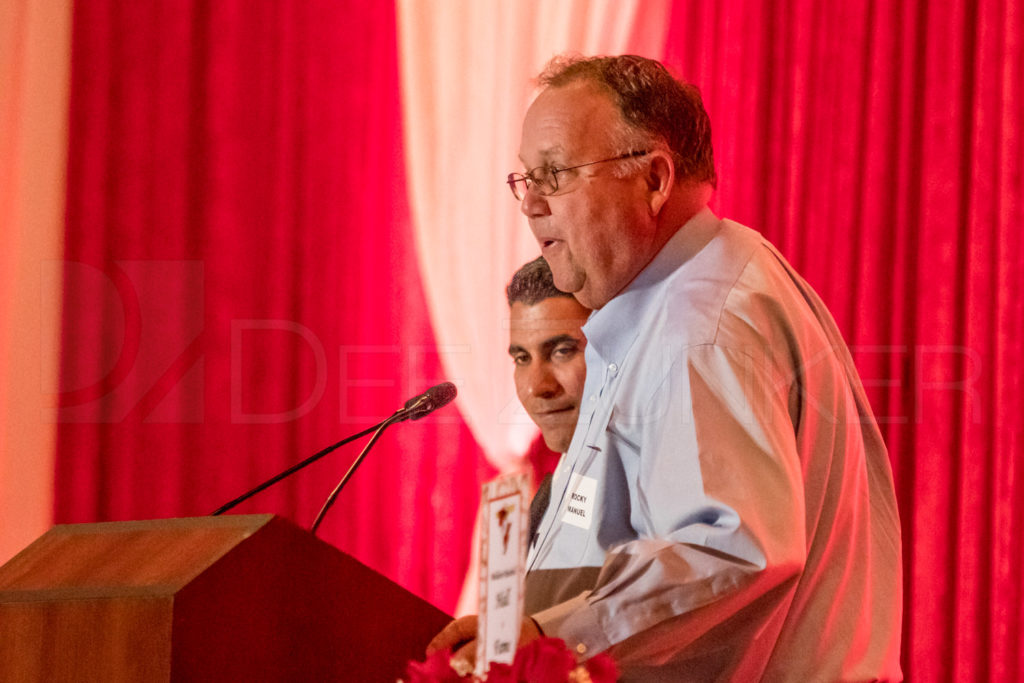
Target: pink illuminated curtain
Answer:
pixel 265 253
pixel 467 79
pixel 35 48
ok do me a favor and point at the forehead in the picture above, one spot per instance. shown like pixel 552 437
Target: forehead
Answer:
pixel 568 120
pixel 545 319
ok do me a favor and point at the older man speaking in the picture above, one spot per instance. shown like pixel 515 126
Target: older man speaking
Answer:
pixel 726 509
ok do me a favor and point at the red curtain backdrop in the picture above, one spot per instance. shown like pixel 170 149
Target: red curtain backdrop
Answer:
pixel 241 288
pixel 881 147
pixel 240 281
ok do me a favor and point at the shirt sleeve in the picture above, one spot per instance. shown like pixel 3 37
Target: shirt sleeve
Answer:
pixel 717 506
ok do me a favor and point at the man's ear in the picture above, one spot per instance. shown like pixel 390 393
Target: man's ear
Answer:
pixel 661 178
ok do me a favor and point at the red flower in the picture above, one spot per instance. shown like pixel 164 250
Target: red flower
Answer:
pixel 501 673
pixel 544 660
pixel 436 669
pixel 602 669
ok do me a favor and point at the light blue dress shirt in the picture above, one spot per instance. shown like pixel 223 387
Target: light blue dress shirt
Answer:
pixel 726 509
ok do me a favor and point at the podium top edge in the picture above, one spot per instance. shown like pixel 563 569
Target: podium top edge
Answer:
pixel 144 553
pixel 221 521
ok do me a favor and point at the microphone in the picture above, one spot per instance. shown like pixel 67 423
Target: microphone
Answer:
pixel 415 408
pixel 429 401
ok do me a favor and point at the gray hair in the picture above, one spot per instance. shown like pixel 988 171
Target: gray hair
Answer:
pixel 657 109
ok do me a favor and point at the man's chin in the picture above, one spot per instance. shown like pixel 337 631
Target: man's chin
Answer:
pixel 564 277
pixel 559 443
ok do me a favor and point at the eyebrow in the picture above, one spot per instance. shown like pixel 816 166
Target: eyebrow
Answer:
pixel 547 345
pixel 552 342
pixel 546 154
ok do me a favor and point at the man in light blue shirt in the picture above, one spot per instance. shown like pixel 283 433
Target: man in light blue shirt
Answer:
pixel 726 509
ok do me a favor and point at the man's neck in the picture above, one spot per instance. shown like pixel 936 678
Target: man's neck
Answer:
pixel 687 200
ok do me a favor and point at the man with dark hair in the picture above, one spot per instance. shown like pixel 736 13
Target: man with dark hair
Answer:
pixel 546 345
pixel 533 283
pixel 726 509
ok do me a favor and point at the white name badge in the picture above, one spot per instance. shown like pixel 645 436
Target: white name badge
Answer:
pixel 504 520
pixel 579 501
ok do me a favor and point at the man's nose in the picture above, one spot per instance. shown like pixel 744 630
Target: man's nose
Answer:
pixel 534 204
pixel 542 383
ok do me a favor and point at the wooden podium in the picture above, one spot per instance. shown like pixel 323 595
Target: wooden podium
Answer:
pixel 232 598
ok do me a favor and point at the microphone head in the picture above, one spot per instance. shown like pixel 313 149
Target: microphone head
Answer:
pixel 430 400
pixel 442 394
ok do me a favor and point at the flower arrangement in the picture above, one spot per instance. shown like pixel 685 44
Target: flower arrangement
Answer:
pixel 544 660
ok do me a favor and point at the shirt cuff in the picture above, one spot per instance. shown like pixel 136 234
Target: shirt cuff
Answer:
pixel 575 622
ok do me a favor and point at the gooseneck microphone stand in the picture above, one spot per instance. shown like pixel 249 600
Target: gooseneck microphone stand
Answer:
pixel 414 409
pixel 295 468
pixel 351 470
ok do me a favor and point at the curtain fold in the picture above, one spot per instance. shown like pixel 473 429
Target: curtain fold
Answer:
pixel 35 46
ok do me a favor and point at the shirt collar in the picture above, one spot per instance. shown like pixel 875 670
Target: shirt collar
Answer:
pixel 612 329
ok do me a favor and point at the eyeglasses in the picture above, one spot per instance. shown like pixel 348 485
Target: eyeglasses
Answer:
pixel 544 179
